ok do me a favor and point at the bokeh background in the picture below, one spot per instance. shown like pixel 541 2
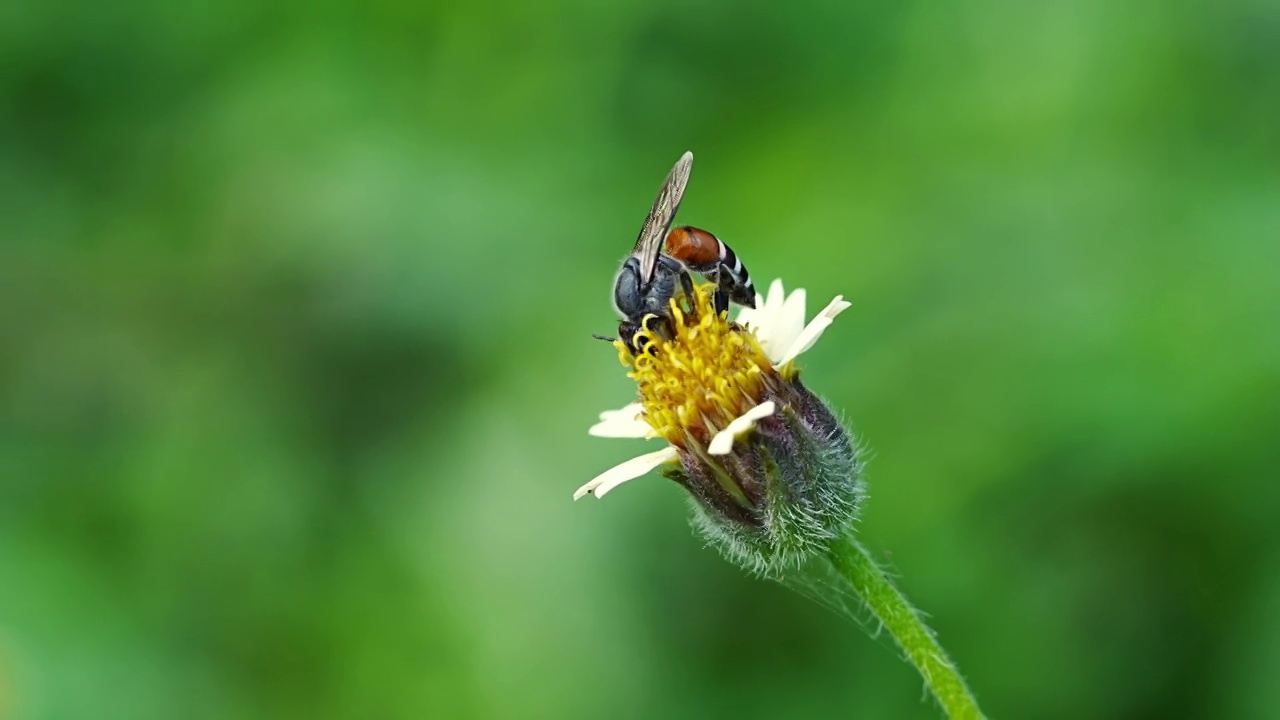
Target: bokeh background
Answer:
pixel 296 364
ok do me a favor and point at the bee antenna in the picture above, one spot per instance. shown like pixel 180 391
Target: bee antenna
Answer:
pixel 605 338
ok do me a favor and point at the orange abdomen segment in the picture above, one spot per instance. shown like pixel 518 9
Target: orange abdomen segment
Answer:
pixel 696 248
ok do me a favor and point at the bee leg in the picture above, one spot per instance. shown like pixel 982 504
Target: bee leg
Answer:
pixel 723 292
pixel 721 301
pixel 686 284
pixel 724 288
pixel 663 325
pixel 681 271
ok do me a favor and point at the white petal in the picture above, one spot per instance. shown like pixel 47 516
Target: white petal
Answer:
pixel 622 423
pixel 629 470
pixel 814 330
pixel 774 299
pixel 722 443
pixel 761 316
pixel 788 325
pixel 777 319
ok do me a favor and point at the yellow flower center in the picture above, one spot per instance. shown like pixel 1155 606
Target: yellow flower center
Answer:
pixel 696 380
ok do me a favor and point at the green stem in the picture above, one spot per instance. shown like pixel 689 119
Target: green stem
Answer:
pixel 877 592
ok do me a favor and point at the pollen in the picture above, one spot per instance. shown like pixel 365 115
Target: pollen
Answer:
pixel 698 372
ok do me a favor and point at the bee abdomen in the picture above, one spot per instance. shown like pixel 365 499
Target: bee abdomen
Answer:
pixel 707 254
pixel 698 249
pixel 732 264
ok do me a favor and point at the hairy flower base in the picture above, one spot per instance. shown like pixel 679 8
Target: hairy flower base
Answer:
pixel 788 489
pixel 703 375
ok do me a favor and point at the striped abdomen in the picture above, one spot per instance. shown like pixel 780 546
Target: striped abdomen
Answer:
pixel 709 256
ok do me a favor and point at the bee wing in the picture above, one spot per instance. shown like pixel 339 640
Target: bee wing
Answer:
pixel 654 230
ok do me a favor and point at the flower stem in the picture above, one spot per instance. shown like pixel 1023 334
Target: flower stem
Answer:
pixel 852 561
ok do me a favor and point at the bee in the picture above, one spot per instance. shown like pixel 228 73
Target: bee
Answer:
pixel 650 277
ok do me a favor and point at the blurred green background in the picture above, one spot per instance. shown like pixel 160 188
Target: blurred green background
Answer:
pixel 296 364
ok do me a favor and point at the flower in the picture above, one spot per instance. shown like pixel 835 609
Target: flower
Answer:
pixel 771 469
pixel 777 322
